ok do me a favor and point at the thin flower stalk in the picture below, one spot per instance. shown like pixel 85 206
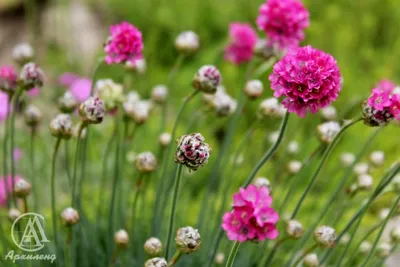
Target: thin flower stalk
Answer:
pixel 82 126
pixel 53 192
pixel 175 258
pixel 5 148
pixel 232 254
pixel 267 260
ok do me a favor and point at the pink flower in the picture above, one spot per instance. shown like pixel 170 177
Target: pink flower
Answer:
pixel 80 89
pixel 67 79
pixel 395 106
pixel 252 217
pixel 124 45
pixel 386 85
pixel 6 185
pixel 284 22
pixel 3 106
pixel 8 79
pixel 379 99
pixel 243 40
pixel 33 92
pixel 308 78
pixel 17 154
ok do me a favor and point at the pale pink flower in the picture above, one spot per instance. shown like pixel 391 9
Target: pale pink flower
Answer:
pixel 6 184
pixel 80 89
pixel 8 79
pixel 67 79
pixel 33 92
pixel 243 39
pixel 3 106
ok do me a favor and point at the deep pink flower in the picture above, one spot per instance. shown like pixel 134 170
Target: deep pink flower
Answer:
pixel 386 85
pixel 80 89
pixel 243 40
pixel 395 106
pixel 6 184
pixel 3 106
pixel 252 217
pixel 8 79
pixel 67 79
pixel 308 78
pixel 284 22
pixel 379 99
pixel 124 44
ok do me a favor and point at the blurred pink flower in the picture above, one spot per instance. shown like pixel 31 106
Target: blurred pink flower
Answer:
pixel 3 106
pixel 308 78
pixel 284 22
pixel 386 85
pixel 252 217
pixel 80 89
pixel 6 184
pixel 125 44
pixel 33 92
pixel 8 79
pixel 18 154
pixel 67 79
pixel 243 40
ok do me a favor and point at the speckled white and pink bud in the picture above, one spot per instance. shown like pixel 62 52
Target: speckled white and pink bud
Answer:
pixel 188 240
pixel 69 217
pixel 311 260
pixel 187 42
pixel 347 159
pixel 153 247
pixel 325 236
pixel 61 126
pixel 254 89
pixel 146 162
pixel 192 151
pixel 22 188
pixel 13 214
pixel 365 248
pixel 383 250
pixel 156 262
pixel 165 139
pixel 327 131
pixel 271 108
pixel 365 181
pixel 23 53
pixel 377 158
pixel 375 118
pixel 207 79
pixel 92 110
pixel 31 76
pixel 294 229
pixel 395 235
pixel 262 182
pixel 329 113
pixel 121 238
pixel 67 103
pixel 32 116
pixel 159 93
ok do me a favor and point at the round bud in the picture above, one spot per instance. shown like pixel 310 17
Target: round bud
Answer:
pixel 13 214
pixel 271 108
pixel 377 158
pixel 207 79
pixel 132 97
pixel 345 239
pixel 22 188
pixel 188 240
pixel 192 151
pixel 139 66
pixel 293 147
pixel 294 166
pixel 131 156
pixel 23 53
pixel 294 229
pixel 153 247
pixel 110 93
pixel 165 139
pixel 311 260
pixel 67 103
pixel 383 250
pixel 31 76
pixel 262 182
pixel 395 235
pixel 187 42
pixel 224 105
pixel 329 113
pixel 156 262
pixel 138 111
pixel 92 110
pixel 220 258
pixel 347 159
pixel 383 213
pixel 327 131
pixel 159 93
pixel 69 217
pixel 32 116
pixel 365 248
pixel 263 49
pixel 61 126
pixel 146 162
pixel 325 236
pixel 361 168
pixel 121 238
pixel 365 182
pixel 254 89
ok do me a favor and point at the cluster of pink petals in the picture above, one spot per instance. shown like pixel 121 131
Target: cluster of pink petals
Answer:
pixel 125 44
pixel 386 85
pixel 284 22
pixel 243 39
pixel 383 99
pixel 3 106
pixel 8 78
pixel 308 78
pixel 6 184
pixel 252 217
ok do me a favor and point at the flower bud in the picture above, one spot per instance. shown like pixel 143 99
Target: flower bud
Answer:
pixel 22 188
pixel 271 108
pixel 220 258
pixel 311 260
pixel 8 79
pixel 67 103
pixel 361 168
pixel 132 97
pixel 375 118
pixel 273 137
pixel 344 240
pixel 262 182
pixel 377 158
pixel 365 248
pixel 192 151
pixel 146 162
pixel 224 105
pixel 92 110
pixel 294 166
pixel 207 79
pixel 32 116
pixel 263 49
pixel 31 76
pixel 69 217
pixel 327 131
pixel 365 181
pixel 188 240
pixel 13 214
pixel 131 156
pixel 153 247
pixel 61 126
pixel 156 262
pixel 165 139
pixel 347 159
pixel 121 238
pixel 109 92
pixel 139 111
pixel 329 113
pixel 23 53
pixel 139 66
pixel 325 236
pixel 383 250
pixel 187 42
pixel 294 229
pixel 293 147
pixel 254 89
pixel 395 235
pixel 159 93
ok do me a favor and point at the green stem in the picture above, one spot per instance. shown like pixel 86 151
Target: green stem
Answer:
pixel 33 176
pixel 5 150
pixel 232 254
pixel 173 208
pixel 307 251
pixel 322 164
pixel 95 71
pixel 134 204
pixel 270 256
pixel 66 148
pixel 53 193
pixel 82 125
pixel 175 258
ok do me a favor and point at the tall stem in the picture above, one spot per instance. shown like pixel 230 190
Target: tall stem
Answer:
pixel 53 192
pixel 173 208
pixel 5 150
pixel 175 258
pixel 77 158
pixel 33 176
pixel 232 254
pixel 322 164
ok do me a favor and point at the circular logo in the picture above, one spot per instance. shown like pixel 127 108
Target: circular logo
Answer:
pixel 27 232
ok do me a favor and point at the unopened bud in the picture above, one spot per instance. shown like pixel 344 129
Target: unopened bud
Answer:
pixel 146 162
pixel 156 262
pixel 159 93
pixel 207 79
pixel 294 166
pixel 23 53
pixel 325 236
pixel 294 229
pixel 254 89
pixel 365 181
pixel 361 168
pixel 31 76
pixel 67 103
pixel 187 42
pixel 220 258
pixel 311 260
pixel 61 126
pixel 188 240
pixel 377 158
pixel 365 248
pixel 22 188
pixel 347 159
pixel 383 250
pixel 69 217
pixel 165 139
pixel 13 214
pixel 153 247
pixel 92 110
pixel 121 238
pixel 32 116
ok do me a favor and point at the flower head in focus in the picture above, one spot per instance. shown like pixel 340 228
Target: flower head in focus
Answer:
pixel 252 217
pixel 188 240
pixel 153 247
pixel 243 39
pixel 308 78
pixel 207 79
pixel 8 79
pixel 92 110
pixel 192 151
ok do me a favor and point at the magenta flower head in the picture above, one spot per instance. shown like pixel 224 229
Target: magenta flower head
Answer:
pixel 243 40
pixel 6 184
pixel 284 22
pixel 124 45
pixel 252 218
pixel 308 78
pixel 8 79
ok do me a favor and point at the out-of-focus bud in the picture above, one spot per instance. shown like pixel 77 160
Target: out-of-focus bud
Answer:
pixel 92 110
pixel 187 42
pixel 22 188
pixel 329 113
pixel 262 182
pixel 13 214
pixel 139 66
pixel 361 168
pixel 311 260
pixel 327 131
pixel 61 126
pixel 23 53
pixel 121 238
pixel 69 217
pixel 325 236
pixel 254 89
pixel 365 248
pixel 159 93
pixel 271 108
pixel 263 49
pixel 188 240
pixel 156 262
pixel 153 247
pixel 219 258
pixel 395 235
pixel 294 166
pixel 293 147
pixel 131 156
pixel 347 159
pixel 32 116
pixel 294 229
pixel 344 240
pixel 383 213
pixel 273 137
pixel 365 181
pixel 207 79
pixel 139 111
pixel 383 250
pixel 31 76
pixel 224 105
pixel 110 93
pixel 146 162
pixel 192 151
pixel 377 158
pixel 67 103
pixel 165 139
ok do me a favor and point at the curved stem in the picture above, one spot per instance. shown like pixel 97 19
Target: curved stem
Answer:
pixel 232 254
pixel 175 258
pixel 173 208
pixel 322 164
pixel 53 192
